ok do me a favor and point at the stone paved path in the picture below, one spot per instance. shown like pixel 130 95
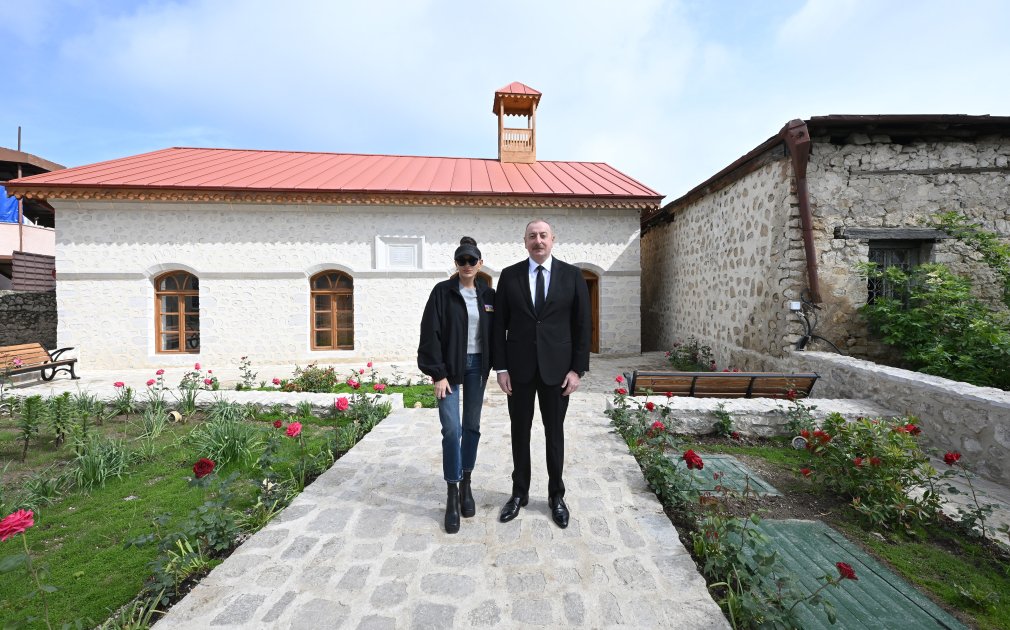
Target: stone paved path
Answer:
pixel 363 546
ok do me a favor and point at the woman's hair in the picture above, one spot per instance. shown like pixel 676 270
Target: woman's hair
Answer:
pixel 467 247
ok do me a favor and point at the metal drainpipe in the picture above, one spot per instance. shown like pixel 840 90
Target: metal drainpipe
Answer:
pixel 796 137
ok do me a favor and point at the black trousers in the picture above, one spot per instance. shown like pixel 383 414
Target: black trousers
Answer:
pixel 553 407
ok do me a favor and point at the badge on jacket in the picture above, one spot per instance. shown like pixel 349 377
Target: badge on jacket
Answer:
pixel 489 308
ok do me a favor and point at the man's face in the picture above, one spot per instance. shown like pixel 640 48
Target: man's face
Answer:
pixel 539 241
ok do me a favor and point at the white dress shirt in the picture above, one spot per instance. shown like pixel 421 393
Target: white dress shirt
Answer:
pixel 547 277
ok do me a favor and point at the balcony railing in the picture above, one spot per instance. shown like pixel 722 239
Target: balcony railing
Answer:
pixel 37 240
pixel 517 139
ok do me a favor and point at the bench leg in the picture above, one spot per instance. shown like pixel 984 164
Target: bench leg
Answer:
pixel 52 374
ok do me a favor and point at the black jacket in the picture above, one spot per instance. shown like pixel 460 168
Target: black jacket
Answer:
pixel 441 352
pixel 553 343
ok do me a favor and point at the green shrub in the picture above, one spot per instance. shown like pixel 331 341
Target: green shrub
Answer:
pixel 31 413
pixel 691 356
pixel 313 378
pixel 876 463
pixel 226 441
pixel 99 460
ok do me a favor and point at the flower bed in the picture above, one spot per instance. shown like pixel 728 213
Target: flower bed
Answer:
pixel 860 475
pixel 128 505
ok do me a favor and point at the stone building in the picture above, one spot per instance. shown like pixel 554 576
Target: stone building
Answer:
pixel 207 254
pixel 729 261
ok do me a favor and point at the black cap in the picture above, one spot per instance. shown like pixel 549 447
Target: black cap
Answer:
pixel 467 250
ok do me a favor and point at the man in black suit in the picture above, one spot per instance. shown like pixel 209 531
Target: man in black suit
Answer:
pixel 541 340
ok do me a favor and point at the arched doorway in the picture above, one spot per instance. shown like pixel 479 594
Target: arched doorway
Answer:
pixel 593 281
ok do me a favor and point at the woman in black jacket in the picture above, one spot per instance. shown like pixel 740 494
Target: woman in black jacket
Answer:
pixel 455 351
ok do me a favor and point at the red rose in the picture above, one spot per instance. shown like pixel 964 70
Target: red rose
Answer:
pixel 361 371
pixel 203 467
pixel 619 379
pixel 791 394
pixel 874 461
pixel 150 382
pixel 805 434
pixel 806 471
pixel 845 571
pixel 658 426
pixel 379 387
pixel 669 394
pixel 196 366
pixel 735 435
pixel 159 372
pixel 278 424
pixel 294 429
pixel 621 391
pixel 118 384
pixel 951 457
pixel 912 429
pixel 15 523
pixel 208 381
pixel 276 381
pixel 650 406
pixel 369 364
pixel 858 461
pixel 693 460
pixel 341 403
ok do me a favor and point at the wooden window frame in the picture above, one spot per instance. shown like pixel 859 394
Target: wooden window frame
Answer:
pixel 333 293
pixel 181 294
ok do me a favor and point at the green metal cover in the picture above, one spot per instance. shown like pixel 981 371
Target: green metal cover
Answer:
pixel 734 475
pixel 877 599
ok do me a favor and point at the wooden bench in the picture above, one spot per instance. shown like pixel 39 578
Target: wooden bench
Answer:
pixel 722 384
pixel 32 357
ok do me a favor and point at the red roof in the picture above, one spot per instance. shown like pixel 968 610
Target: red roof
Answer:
pixel 518 98
pixel 289 171
pixel 517 88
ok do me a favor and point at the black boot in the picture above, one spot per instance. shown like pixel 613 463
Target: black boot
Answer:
pixel 467 507
pixel 452 509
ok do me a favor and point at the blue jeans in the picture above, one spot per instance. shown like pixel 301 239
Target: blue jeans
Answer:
pixel 459 439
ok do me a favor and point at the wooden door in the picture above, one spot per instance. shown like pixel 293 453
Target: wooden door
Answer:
pixel 593 281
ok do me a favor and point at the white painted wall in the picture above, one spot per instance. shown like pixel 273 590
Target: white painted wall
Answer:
pixel 254 262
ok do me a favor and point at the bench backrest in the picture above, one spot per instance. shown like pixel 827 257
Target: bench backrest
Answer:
pixel 29 353
pixel 724 384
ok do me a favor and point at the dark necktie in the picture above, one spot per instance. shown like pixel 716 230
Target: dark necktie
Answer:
pixel 541 293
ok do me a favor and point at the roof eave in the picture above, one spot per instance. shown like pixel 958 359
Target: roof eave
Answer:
pixel 339 197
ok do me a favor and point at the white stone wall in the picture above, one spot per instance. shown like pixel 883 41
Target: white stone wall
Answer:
pixel 254 262
pixel 954 416
pixel 724 269
pixel 876 183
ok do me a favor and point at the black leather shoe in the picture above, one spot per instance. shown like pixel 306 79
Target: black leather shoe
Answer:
pixel 511 508
pixel 559 511
pixel 467 507
pixel 452 509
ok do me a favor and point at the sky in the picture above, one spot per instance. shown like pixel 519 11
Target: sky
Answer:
pixel 669 92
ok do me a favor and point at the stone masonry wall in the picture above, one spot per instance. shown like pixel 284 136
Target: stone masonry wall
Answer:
pixel 28 317
pixel 725 268
pixel 872 182
pixel 254 262
pixel 954 416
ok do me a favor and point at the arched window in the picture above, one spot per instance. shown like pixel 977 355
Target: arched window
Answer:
pixel 177 312
pixel 332 311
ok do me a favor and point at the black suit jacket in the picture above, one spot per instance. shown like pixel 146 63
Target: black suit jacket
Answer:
pixel 555 343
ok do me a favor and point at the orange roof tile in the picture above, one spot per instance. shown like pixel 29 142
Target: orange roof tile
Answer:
pixel 191 169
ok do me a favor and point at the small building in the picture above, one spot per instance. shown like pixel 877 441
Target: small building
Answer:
pixel 27 237
pixel 728 262
pixel 190 254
